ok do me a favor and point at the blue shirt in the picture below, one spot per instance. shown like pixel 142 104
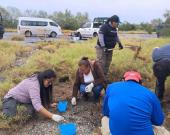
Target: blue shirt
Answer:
pixel 132 109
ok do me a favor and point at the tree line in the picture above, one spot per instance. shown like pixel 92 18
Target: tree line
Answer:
pixel 67 20
pixel 155 25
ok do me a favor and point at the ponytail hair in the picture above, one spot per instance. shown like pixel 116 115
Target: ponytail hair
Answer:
pixel 84 61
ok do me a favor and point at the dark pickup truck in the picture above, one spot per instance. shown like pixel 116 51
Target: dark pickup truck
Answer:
pixel 1 27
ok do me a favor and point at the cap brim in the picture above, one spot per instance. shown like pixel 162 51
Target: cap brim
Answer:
pixel 132 78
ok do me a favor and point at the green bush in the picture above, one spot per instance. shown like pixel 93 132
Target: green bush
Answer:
pixel 17 38
pixel 165 32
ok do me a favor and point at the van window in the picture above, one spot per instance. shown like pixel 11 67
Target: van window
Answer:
pixel 25 23
pixel 33 23
pixel 40 23
pixel 53 24
pixel 86 25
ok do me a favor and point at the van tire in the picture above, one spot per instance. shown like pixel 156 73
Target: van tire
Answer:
pixel 53 34
pixel 28 34
pixel 95 34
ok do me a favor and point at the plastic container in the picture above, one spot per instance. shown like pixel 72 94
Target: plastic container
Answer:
pixel 62 106
pixel 67 129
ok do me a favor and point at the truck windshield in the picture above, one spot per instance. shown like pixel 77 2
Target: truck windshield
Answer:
pixel 96 25
pixel 100 20
pixel 86 25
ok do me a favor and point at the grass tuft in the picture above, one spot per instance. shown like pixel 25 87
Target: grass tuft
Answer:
pixel 18 38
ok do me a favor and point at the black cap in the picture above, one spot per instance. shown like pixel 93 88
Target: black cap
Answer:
pixel 115 18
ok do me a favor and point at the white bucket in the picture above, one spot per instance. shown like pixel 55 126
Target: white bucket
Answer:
pixel 75 38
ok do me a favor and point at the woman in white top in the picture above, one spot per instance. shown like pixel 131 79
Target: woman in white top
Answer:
pixel 89 78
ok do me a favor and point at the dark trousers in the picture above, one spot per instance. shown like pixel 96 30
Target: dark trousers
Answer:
pixel 104 58
pixel 161 71
pixel 10 107
pixel 96 91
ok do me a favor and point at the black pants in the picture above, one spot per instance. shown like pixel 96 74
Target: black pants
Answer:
pixel 161 70
pixel 10 107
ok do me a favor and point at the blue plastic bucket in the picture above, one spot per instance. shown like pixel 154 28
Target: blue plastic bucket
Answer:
pixel 62 106
pixel 67 129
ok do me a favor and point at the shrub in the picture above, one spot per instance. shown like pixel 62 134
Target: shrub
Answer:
pixel 18 38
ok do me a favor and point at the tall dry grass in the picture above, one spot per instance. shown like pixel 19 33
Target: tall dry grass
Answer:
pixel 63 56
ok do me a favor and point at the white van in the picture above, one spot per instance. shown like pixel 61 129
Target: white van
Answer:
pixel 30 26
pixel 88 30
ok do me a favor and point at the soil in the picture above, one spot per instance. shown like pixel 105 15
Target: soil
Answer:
pixel 86 115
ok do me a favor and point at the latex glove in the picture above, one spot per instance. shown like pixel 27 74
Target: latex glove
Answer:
pixel 73 101
pixel 120 46
pixel 57 118
pixel 89 87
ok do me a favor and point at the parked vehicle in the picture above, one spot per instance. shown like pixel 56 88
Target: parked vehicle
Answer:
pixel 31 26
pixel 1 27
pixel 90 29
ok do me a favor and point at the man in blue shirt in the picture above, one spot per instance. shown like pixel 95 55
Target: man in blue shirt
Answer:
pixel 131 108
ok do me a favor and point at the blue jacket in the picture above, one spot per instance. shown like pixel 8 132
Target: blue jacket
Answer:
pixel 132 109
pixel 107 36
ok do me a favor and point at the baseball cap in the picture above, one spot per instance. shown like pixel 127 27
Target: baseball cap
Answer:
pixel 115 18
pixel 132 75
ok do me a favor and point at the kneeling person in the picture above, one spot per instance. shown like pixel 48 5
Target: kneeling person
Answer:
pixel 35 92
pixel 89 78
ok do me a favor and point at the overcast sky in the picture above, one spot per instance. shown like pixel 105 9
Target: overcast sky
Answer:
pixel 134 11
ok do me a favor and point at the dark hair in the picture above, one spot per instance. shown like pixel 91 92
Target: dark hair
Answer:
pixel 46 93
pixel 84 61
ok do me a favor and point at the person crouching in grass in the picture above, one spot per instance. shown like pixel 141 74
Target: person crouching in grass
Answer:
pixel 35 93
pixel 89 78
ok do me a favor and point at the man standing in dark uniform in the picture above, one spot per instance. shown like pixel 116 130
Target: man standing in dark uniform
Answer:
pixel 107 39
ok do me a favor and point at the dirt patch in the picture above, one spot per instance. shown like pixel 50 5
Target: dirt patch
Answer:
pixel 86 115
